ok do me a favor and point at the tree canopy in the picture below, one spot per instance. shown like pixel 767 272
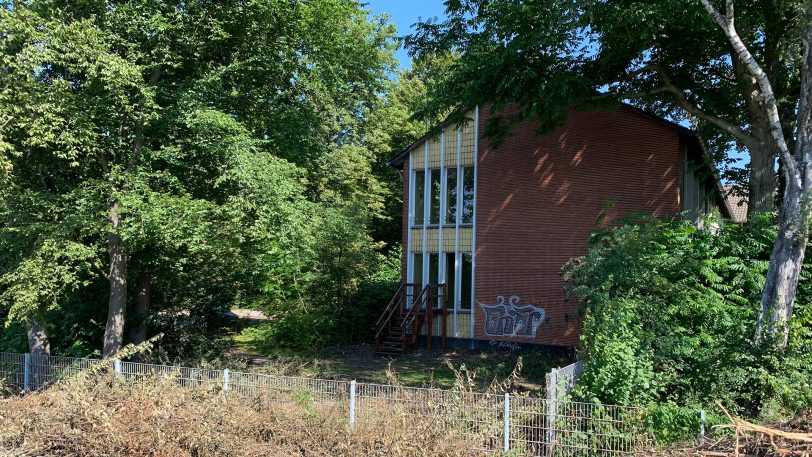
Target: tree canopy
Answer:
pixel 172 156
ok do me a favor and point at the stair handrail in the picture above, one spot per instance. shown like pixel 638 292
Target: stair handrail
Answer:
pixel 387 314
pixel 412 313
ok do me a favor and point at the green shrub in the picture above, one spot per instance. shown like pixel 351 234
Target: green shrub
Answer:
pixel 669 422
pixel 670 312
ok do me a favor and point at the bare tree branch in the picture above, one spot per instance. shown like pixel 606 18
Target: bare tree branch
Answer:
pixel 726 24
pixel 638 72
pixel 744 137
pixel 633 95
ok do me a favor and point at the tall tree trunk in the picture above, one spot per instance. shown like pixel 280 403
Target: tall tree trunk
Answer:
pixel 762 183
pixel 761 187
pixel 794 218
pixel 784 271
pixel 117 305
pixel 38 343
pixel 138 321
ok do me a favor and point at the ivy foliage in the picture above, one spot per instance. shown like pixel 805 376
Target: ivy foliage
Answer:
pixel 669 315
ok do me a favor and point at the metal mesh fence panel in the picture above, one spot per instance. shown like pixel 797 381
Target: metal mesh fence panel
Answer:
pixel 529 425
pixel 476 416
pixel 47 369
pixel 534 426
pixel 268 389
pixel 12 372
pixel 187 377
pixel 588 429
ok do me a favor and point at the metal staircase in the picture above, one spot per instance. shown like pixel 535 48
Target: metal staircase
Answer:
pixel 407 314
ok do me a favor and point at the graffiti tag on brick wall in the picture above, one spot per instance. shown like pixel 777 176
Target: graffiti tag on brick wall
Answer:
pixel 512 320
pixel 511 346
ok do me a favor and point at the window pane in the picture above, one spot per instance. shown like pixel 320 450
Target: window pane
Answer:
pixel 419 194
pixel 451 196
pixel 466 281
pixel 434 271
pixel 449 278
pixel 434 268
pixel 417 276
pixel 435 197
pixel 467 195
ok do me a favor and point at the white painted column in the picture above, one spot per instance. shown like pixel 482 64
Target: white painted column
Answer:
pixel 457 219
pixel 473 229
pixel 409 225
pixel 440 250
pixel 426 207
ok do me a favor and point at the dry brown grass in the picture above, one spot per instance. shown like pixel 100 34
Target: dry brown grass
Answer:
pixel 101 415
pixel 792 438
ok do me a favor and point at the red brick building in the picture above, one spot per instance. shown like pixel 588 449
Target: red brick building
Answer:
pixel 496 224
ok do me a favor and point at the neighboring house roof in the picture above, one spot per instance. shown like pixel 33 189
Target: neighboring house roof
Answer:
pixel 737 204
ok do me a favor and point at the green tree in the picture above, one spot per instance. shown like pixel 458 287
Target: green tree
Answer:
pixel 392 126
pixel 668 317
pixel 186 139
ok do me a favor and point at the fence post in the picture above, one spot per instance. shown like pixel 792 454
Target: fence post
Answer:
pixel 226 378
pixel 506 424
pixel 702 423
pixel 27 372
pixel 117 366
pixel 552 407
pixel 352 404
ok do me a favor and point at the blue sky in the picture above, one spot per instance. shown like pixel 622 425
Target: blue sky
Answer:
pixel 404 13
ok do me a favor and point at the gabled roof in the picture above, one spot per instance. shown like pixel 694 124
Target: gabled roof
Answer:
pixel 723 202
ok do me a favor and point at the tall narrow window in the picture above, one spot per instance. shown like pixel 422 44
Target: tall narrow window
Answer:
pixel 417 272
pixel 449 279
pixel 419 196
pixel 466 280
pixel 434 270
pixel 451 196
pixel 467 216
pixel 417 276
pixel 434 209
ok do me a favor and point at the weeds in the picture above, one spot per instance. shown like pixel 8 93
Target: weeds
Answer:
pixel 466 380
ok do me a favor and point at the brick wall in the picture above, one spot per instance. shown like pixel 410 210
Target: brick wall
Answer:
pixel 538 197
